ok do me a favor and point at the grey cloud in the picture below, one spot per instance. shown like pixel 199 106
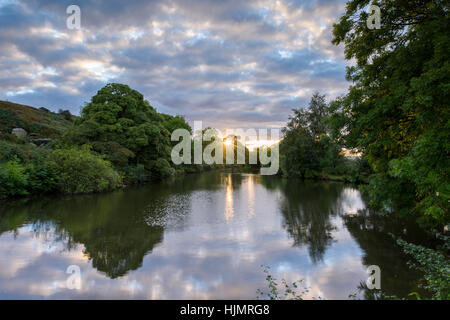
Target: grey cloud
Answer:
pixel 195 58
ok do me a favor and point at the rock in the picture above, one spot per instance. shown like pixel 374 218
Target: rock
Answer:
pixel 39 142
pixel 19 133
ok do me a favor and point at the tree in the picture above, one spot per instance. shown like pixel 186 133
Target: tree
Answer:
pixel 397 109
pixel 316 116
pixel 66 114
pixel 124 127
pixel 172 123
pixel 307 148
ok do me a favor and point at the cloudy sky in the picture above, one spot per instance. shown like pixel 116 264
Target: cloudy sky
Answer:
pixel 228 63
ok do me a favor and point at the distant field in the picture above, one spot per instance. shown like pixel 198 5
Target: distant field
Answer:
pixel 40 121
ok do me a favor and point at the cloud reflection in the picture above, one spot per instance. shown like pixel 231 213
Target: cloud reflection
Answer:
pixel 134 243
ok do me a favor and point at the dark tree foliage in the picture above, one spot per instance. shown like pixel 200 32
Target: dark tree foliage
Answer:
pixel 66 114
pixel 307 148
pixel 124 127
pixel 397 110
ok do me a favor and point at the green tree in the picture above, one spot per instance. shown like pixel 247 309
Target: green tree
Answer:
pixel 396 110
pixel 81 171
pixel 171 123
pixel 124 127
pixel 307 147
pixel 66 114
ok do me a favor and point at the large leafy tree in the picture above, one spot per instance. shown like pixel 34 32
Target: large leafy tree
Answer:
pixel 397 109
pixel 120 124
pixel 307 148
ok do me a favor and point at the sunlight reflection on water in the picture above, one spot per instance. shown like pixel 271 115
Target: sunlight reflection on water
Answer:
pixel 198 237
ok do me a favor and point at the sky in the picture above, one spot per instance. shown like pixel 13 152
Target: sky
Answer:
pixel 229 64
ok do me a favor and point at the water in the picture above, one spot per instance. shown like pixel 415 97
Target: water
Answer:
pixel 202 236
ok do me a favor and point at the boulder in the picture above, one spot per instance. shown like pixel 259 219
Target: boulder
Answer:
pixel 19 133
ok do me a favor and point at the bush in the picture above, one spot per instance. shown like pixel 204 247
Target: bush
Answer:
pixel 81 171
pixel 161 169
pixel 289 291
pixel 8 137
pixel 434 264
pixel 310 174
pixel 42 176
pixel 9 120
pixel 113 152
pixel 136 174
pixel 24 152
pixel 13 179
pixel 66 114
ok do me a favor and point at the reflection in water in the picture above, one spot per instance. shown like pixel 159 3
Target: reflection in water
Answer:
pixel 372 233
pixel 308 209
pixel 199 236
pixel 251 196
pixel 229 210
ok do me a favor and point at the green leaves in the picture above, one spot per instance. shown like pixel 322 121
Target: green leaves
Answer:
pixel 127 130
pixel 434 264
pixel 312 140
pixel 13 179
pixel 27 171
pixel 397 109
pixel 81 171
pixel 289 291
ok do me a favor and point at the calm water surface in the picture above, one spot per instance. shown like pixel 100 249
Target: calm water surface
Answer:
pixel 200 236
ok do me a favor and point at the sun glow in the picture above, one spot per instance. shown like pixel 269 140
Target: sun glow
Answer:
pixel 253 145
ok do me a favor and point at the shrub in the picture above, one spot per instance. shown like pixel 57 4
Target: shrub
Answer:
pixel 66 114
pixel 136 174
pixel 289 291
pixel 434 264
pixel 117 154
pixel 24 152
pixel 13 179
pixel 8 137
pixel 161 169
pixel 310 174
pixel 9 120
pixel 42 176
pixel 81 171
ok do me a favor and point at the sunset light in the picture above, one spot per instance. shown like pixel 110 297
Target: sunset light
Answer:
pixel 230 151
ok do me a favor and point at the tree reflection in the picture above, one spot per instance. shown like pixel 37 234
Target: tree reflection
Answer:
pixel 113 229
pixel 372 232
pixel 307 208
pixel 117 229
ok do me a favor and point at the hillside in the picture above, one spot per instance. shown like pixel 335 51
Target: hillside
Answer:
pixel 41 121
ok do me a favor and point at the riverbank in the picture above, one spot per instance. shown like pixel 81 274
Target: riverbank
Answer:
pixel 343 178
